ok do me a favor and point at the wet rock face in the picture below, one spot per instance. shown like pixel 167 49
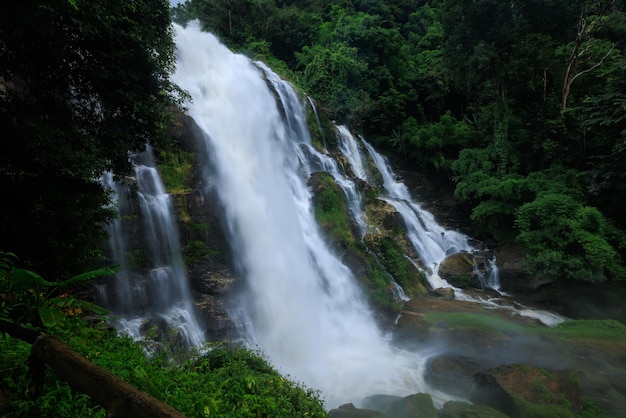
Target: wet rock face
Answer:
pixel 456 409
pixel 351 411
pixel 417 405
pixel 513 275
pixel 205 248
pixel 464 270
pixel 508 388
pixel 211 283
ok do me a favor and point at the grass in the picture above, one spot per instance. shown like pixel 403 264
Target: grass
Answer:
pixel 606 329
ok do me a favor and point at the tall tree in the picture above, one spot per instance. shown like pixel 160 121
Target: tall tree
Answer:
pixel 587 52
pixel 82 84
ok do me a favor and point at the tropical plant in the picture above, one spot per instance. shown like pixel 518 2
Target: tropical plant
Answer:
pixel 29 299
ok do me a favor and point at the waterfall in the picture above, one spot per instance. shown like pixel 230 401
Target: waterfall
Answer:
pixel 317 119
pixel 301 305
pixel 431 241
pixel 159 295
pixel 309 158
pixel 490 280
pixel 350 148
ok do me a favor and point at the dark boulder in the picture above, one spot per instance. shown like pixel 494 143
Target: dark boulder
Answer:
pixel 515 388
pixel 419 405
pixel 456 409
pixel 350 411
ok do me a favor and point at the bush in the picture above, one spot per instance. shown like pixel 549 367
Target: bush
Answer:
pixel 567 240
pixel 224 381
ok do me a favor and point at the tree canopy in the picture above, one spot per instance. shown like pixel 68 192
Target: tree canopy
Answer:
pixel 82 84
pixel 491 97
pixel 519 104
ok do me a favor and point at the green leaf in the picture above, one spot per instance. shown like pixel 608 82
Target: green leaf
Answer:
pixel 90 307
pixel 25 280
pixel 89 275
pixel 51 316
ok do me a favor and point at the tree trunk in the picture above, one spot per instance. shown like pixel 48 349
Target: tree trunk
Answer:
pixel 119 398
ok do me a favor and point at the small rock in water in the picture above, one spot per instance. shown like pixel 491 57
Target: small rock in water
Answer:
pixel 442 293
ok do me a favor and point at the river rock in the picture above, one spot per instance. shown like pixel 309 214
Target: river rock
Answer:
pixel 350 411
pixel 452 373
pixel 511 387
pixel 379 402
pixel 460 270
pixel 442 293
pixel 417 405
pixel 456 409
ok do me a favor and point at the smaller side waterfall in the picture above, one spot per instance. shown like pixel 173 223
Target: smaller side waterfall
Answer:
pixel 350 148
pixel 151 290
pixel 431 241
pixel 489 276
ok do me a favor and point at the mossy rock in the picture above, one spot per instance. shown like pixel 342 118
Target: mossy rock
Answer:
pixel 417 405
pixel 351 411
pixel 458 270
pixel 331 210
pixel 457 409
pixel 522 390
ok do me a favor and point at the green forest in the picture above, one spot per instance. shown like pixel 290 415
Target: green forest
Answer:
pixel 516 109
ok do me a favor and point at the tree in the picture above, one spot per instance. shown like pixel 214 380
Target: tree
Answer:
pixel 332 75
pixel 83 84
pixel 587 52
pixel 566 240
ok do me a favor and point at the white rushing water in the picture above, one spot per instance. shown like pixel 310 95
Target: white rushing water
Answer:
pixel 159 295
pixel 430 240
pixel 302 306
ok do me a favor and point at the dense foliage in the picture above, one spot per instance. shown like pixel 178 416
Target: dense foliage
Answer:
pixel 221 380
pixel 520 104
pixel 225 381
pixel 82 84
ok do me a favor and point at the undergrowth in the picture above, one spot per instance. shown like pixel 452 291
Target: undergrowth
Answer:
pixel 223 381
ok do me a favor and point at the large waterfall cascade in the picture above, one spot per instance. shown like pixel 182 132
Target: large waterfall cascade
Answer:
pixel 301 306
pixel 158 295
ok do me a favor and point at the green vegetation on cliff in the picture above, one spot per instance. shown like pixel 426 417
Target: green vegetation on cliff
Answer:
pixel 379 258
